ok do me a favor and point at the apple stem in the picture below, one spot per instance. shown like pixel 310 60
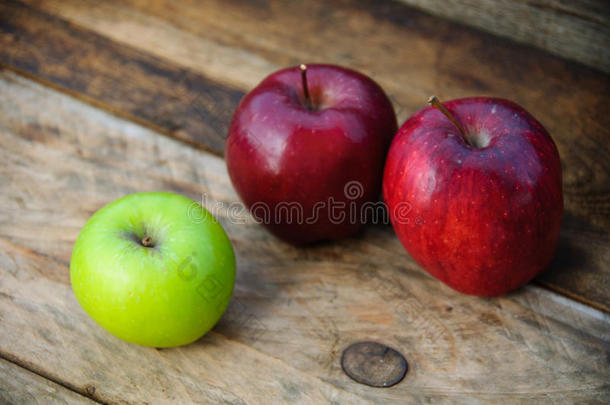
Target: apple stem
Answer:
pixel 303 68
pixel 147 241
pixel 435 102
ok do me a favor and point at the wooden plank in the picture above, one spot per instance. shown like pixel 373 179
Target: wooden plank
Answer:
pixel 20 386
pixel 412 55
pixel 129 83
pixel 577 30
pixel 43 326
pixel 293 311
pixel 581 266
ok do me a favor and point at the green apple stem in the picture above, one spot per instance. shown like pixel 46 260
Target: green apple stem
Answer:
pixel 303 68
pixel 147 241
pixel 435 102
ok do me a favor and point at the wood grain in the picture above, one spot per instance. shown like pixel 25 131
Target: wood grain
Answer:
pixel 412 55
pixel 43 326
pixel 169 98
pixel 577 30
pixel 293 310
pixel 581 266
pixel 19 386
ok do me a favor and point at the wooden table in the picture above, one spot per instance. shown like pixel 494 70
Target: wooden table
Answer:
pixel 102 99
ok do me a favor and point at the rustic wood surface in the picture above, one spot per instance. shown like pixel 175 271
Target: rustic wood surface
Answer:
pixel 105 99
pixel 293 311
pixel 182 70
pixel 127 82
pixel 574 29
pixel 20 386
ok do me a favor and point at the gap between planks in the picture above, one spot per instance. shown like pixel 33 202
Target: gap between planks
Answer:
pixel 86 396
pixel 533 306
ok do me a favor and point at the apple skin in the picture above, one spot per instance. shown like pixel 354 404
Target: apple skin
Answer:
pixel 483 220
pixel 162 296
pixel 279 151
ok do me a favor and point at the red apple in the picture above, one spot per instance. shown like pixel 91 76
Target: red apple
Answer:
pixel 476 202
pixel 300 140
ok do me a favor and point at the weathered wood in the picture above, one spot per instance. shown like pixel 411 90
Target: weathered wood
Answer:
pixel 581 266
pixel 164 96
pixel 43 326
pixel 412 55
pixel 293 311
pixel 578 30
pixel 19 386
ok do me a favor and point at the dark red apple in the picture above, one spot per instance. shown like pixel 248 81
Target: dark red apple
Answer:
pixel 476 202
pixel 306 149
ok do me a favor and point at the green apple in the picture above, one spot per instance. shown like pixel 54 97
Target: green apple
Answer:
pixel 155 269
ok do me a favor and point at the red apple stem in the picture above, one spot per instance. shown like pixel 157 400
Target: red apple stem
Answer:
pixel 147 241
pixel 435 102
pixel 303 68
